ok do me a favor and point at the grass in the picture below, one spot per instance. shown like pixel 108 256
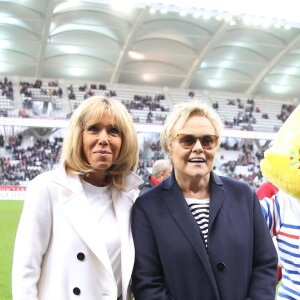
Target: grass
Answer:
pixel 9 218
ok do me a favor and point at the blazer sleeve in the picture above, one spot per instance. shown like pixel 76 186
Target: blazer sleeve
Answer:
pixel 147 278
pixel 32 240
pixel 265 259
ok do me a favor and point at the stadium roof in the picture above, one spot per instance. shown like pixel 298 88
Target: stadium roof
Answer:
pixel 184 45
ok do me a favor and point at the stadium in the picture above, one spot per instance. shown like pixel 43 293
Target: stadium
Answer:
pixel 150 56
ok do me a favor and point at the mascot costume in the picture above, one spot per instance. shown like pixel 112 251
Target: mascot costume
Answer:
pixel 281 166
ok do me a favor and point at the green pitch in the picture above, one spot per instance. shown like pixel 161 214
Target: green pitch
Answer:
pixel 9 218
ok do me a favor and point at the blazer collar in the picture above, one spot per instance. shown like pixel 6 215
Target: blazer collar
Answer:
pixel 78 214
pixel 217 196
pixel 72 183
pixel 217 193
pixel 171 180
pixel 175 202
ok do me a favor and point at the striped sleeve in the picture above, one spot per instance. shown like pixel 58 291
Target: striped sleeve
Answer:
pixel 272 211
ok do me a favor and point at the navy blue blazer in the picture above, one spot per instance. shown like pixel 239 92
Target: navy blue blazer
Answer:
pixel 172 262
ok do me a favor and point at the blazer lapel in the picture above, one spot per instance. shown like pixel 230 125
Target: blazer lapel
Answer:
pixel 123 202
pixel 176 203
pixel 77 212
pixel 80 217
pixel 180 211
pixel 123 205
pixel 217 195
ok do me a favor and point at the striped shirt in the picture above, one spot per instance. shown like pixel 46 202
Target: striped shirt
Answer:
pixel 200 211
pixel 282 214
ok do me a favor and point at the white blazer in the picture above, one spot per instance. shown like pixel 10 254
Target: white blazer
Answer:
pixel 59 253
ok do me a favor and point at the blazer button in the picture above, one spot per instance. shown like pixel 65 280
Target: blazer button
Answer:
pixel 221 266
pixel 76 291
pixel 80 256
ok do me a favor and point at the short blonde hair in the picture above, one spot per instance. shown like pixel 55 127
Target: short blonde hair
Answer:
pixel 180 115
pixel 72 151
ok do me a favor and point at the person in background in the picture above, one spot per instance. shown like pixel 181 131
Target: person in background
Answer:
pixel 161 169
pixel 74 235
pixel 281 166
pixel 198 235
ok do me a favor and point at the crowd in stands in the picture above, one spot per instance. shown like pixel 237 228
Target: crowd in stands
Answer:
pixel 142 102
pixel 286 110
pixel 52 88
pixel 248 158
pixel 22 164
pixel 6 89
pixel 245 116
pixel 1 140
pixel 243 119
pixel 88 91
pixel 31 91
pixel 3 112
pixel 6 96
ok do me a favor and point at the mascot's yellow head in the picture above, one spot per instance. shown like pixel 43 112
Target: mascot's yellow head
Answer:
pixel 281 163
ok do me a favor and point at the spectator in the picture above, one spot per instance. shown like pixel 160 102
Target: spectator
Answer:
pixel 161 169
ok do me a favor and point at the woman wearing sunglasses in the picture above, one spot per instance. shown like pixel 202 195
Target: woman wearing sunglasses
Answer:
pixel 198 235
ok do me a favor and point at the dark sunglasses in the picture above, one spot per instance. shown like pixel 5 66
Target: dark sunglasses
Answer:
pixel 187 141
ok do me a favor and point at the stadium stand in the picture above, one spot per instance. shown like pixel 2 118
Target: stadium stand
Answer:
pixel 38 149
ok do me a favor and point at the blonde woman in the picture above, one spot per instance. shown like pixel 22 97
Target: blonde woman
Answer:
pixel 74 237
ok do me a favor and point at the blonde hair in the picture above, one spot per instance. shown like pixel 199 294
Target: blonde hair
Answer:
pixel 72 151
pixel 180 115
